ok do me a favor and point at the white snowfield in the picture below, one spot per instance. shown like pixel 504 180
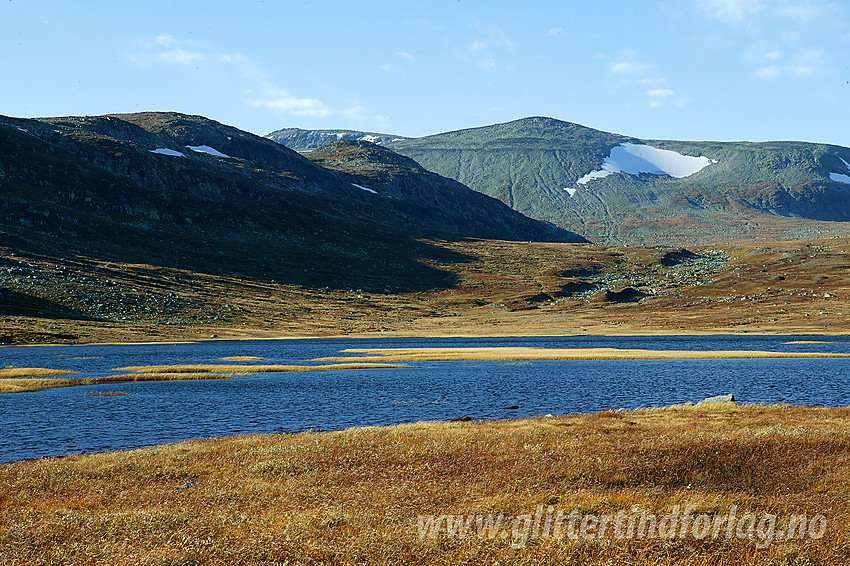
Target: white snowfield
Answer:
pixel 572 192
pixel 207 149
pixel 635 159
pixel 166 151
pixel 840 177
pixel 365 188
pixel 370 138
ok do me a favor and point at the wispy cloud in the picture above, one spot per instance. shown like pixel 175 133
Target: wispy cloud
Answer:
pixel 730 11
pixel 168 49
pixel 657 96
pixel 741 11
pixel 401 57
pixel 660 93
pixel 259 89
pixel 556 32
pixel 641 77
pixel 181 56
pixel 629 67
pixel 802 65
pixel 488 48
pixel 778 38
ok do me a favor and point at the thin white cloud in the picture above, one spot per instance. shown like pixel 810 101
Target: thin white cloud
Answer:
pixel 402 58
pixel 659 93
pixel 489 47
pixel 628 67
pixel 639 76
pixel 804 64
pixel 730 11
pixel 556 32
pixel 780 39
pixel 181 56
pixel 165 40
pixel 260 89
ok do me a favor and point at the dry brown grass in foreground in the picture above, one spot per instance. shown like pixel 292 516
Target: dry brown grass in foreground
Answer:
pixel 530 354
pixel 353 496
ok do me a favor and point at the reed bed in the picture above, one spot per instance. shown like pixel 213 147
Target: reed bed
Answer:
pixel 131 377
pixel 247 369
pixel 355 496
pixel 242 359
pixel 539 354
pixel 164 373
pixel 23 384
pixel 33 372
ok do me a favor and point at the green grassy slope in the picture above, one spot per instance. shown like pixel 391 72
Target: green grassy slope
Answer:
pixel 779 189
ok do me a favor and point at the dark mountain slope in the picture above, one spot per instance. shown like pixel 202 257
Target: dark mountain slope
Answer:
pixel 127 188
pixel 417 194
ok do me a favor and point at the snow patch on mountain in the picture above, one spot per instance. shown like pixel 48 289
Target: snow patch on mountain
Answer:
pixel 370 138
pixel 840 177
pixel 207 149
pixel 365 188
pixel 572 192
pixel 166 151
pixel 635 159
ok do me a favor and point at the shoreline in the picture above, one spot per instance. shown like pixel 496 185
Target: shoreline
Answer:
pixel 687 408
pixel 425 335
pixel 354 495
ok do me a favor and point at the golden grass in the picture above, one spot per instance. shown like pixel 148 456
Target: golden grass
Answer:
pixel 242 359
pixel 810 342
pixel 22 385
pixel 33 372
pixel 130 377
pixel 353 496
pixel 245 369
pixel 532 354
pixel 163 373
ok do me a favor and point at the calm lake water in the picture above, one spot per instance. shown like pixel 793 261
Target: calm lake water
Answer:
pixel 69 420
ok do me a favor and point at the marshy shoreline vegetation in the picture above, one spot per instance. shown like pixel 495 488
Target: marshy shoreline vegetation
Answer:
pixel 20 380
pixel 353 496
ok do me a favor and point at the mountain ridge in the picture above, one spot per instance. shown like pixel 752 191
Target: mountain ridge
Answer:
pixel 749 190
pixel 186 191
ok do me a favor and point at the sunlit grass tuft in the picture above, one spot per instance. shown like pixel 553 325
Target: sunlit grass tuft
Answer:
pixel 242 359
pixel 245 369
pixel 33 372
pixel 21 385
pixel 539 354
pixel 130 377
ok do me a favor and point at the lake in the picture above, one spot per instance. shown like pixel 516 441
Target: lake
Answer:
pixel 69 420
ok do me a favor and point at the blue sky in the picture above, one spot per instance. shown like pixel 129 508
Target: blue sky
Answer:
pixel 688 69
